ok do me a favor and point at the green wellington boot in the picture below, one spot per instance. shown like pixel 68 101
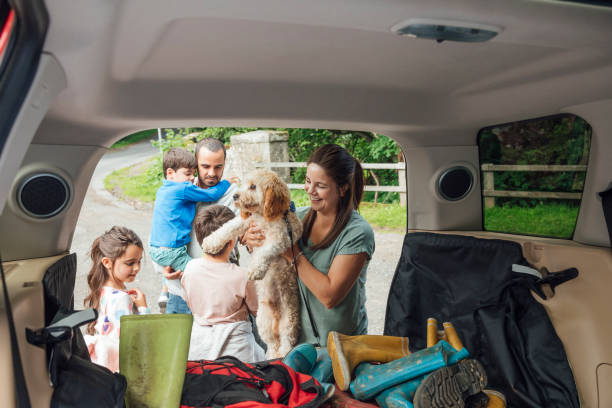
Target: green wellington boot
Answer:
pixel 346 352
pixel 153 353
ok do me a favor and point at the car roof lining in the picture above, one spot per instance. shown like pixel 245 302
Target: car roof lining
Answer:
pixel 333 65
pixel 316 64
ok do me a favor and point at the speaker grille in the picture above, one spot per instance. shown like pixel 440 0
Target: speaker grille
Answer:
pixel 455 183
pixel 43 195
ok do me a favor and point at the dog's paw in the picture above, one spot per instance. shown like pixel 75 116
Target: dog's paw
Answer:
pixel 211 246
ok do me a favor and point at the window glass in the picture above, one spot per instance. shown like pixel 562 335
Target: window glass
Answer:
pixel 533 175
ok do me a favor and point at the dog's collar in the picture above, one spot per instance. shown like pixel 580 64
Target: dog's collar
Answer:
pixel 291 208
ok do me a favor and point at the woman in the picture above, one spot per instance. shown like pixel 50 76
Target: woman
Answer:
pixel 337 244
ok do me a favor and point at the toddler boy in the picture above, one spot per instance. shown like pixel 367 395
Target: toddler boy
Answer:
pixel 175 207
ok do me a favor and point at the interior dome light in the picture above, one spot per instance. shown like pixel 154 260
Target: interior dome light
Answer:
pixel 446 30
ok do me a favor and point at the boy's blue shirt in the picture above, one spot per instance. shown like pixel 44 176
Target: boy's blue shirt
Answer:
pixel 175 207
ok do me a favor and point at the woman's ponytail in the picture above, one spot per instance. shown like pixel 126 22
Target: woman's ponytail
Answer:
pixel 358 184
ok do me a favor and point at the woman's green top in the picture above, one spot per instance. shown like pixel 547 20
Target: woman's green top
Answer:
pixel 349 316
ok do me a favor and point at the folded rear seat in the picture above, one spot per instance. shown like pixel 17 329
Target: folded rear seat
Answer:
pixel 470 282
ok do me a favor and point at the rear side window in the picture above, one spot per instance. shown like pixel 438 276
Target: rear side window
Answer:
pixel 533 175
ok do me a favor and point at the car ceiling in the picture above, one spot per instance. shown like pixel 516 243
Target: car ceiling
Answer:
pixel 329 64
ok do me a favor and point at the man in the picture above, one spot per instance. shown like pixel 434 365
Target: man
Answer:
pixel 210 156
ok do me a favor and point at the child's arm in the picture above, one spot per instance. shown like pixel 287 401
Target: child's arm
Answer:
pixel 196 194
pixel 139 300
pixel 250 297
pixel 118 304
pixel 185 286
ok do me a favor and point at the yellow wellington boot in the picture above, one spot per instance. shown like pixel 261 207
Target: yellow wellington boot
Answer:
pixel 432 332
pixel 451 336
pixel 347 352
pixel 496 399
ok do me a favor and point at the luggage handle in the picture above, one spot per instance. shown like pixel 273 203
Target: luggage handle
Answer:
pixel 62 329
pixel 546 281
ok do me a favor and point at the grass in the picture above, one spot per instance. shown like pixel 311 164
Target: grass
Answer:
pixel 132 183
pixel 390 217
pixel 551 220
pixel 134 138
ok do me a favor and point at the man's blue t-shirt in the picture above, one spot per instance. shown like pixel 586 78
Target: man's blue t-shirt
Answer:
pixel 175 207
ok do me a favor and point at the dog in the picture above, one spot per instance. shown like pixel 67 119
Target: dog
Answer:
pixel 265 199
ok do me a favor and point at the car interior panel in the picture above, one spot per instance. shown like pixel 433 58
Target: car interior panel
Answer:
pixel 109 69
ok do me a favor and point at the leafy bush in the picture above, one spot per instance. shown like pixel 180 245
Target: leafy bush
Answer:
pixel 561 140
pixel 367 147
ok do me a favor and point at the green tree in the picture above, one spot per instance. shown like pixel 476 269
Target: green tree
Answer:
pixel 367 147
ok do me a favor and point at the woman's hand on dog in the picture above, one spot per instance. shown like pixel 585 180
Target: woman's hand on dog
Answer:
pixel 253 237
pixel 291 253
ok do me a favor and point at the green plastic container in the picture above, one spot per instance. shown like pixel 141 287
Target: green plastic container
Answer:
pixel 153 353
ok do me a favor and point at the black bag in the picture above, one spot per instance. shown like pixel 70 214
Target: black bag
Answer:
pixel 76 380
pixel 470 282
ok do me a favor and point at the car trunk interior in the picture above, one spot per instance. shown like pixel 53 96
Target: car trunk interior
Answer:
pixel 303 66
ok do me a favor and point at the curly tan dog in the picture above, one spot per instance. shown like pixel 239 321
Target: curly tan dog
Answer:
pixel 265 199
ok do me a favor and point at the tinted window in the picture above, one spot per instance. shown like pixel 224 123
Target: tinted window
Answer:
pixel 533 175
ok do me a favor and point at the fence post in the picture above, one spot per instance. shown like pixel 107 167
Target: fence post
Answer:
pixel 489 185
pixel 401 178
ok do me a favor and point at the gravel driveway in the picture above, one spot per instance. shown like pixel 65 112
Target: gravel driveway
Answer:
pixel 101 210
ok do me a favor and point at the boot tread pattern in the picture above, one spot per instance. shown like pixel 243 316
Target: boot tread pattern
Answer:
pixel 449 387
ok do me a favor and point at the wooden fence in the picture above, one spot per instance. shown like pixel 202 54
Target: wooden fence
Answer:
pixel 489 192
pixel 488 172
pixel 401 176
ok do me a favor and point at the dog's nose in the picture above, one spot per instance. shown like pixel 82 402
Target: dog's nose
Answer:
pixel 236 196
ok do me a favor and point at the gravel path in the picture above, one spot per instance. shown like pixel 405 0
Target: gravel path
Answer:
pixel 101 210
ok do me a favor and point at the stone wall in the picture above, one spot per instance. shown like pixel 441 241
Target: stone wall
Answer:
pixel 261 146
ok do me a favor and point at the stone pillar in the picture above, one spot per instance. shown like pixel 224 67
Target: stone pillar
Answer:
pixel 260 146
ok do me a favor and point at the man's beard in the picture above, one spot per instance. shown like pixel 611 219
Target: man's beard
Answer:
pixel 209 181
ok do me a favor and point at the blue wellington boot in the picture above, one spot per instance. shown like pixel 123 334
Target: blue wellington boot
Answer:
pixel 371 379
pixel 401 395
pixel 322 370
pixel 302 358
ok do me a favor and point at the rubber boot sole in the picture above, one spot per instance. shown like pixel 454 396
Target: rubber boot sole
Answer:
pixel 340 365
pixel 449 387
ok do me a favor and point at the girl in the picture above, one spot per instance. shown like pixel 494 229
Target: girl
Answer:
pixel 116 257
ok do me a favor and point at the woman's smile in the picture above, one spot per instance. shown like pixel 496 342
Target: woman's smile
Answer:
pixel 322 190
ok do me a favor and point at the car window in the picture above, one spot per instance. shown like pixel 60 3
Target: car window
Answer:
pixel 533 175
